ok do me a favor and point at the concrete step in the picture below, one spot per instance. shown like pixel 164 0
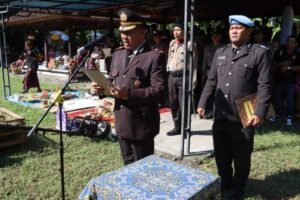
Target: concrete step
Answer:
pixel 200 140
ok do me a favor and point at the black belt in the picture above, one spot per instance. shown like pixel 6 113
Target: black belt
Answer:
pixel 176 73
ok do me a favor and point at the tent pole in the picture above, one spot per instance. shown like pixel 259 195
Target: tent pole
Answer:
pixel 46 45
pixel 184 86
pixel 4 63
pixel 190 75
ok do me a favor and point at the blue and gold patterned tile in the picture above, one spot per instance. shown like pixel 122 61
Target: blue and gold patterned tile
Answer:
pixel 152 178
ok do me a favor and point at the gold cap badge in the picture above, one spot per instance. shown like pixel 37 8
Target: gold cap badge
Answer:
pixel 123 16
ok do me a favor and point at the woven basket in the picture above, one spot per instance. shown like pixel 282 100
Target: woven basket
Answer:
pixel 16 70
pixel 8 117
pixel 10 136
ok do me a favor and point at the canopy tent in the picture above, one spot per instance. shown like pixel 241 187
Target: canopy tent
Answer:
pixel 204 9
pixel 58 20
pixel 168 10
pixel 158 10
pixel 71 5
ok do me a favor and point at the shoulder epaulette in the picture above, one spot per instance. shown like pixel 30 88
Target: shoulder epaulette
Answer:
pixel 119 48
pixel 172 42
pixel 261 46
pixel 157 50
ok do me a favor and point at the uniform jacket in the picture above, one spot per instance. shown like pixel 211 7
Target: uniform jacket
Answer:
pixel 235 76
pixel 138 117
pixel 176 58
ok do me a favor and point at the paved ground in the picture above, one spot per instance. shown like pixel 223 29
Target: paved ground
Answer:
pixel 200 140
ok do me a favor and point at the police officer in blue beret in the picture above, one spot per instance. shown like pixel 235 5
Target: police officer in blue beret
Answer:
pixel 238 69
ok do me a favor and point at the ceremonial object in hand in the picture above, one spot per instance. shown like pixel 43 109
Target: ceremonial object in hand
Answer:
pixel 255 120
pixel 100 83
pixel 246 107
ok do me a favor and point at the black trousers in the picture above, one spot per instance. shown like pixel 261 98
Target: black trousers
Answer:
pixel 233 144
pixel 133 150
pixel 175 96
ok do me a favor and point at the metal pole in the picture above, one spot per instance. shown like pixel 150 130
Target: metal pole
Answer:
pixel 1 56
pixel 61 151
pixel 5 55
pixel 46 44
pixel 183 111
pixel 191 70
pixel 2 67
pixel 61 144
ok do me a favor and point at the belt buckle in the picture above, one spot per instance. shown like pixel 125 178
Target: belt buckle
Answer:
pixel 178 73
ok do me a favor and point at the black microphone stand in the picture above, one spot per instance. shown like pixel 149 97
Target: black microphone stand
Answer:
pixel 59 99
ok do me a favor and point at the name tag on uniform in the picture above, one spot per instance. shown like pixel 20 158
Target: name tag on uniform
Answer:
pixel 221 57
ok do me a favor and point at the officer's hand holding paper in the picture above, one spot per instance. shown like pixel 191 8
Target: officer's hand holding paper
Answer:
pixel 97 89
pixel 100 83
pixel 116 91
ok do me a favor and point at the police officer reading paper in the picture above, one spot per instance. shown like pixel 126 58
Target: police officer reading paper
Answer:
pixel 238 69
pixel 137 75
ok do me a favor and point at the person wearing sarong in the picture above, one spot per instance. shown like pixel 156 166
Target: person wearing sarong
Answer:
pixel 31 58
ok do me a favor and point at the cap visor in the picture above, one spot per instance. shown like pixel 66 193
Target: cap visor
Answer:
pixel 127 28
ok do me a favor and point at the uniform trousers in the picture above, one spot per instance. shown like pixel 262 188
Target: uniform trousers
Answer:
pixel 133 150
pixel 233 144
pixel 175 96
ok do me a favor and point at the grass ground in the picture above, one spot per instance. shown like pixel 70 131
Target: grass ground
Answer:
pixel 31 171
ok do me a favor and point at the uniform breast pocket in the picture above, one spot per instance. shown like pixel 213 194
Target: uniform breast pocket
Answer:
pixel 245 70
pixel 181 56
pixel 221 67
pixel 172 50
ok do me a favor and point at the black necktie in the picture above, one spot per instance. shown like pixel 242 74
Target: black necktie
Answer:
pixel 129 55
pixel 236 50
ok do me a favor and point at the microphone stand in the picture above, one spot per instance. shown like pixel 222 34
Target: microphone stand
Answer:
pixel 59 99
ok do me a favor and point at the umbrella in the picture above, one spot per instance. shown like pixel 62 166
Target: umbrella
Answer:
pixel 56 35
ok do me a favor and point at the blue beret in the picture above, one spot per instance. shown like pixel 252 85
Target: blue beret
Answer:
pixel 241 19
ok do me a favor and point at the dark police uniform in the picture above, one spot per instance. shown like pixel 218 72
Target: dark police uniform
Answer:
pixel 209 52
pixel 137 118
pixel 141 72
pixel 233 76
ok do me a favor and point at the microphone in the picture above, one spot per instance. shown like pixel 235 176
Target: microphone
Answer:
pixel 90 45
